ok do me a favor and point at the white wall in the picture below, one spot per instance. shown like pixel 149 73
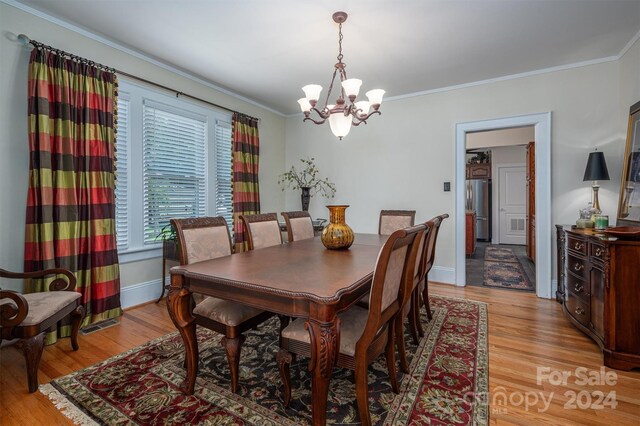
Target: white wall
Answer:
pixel 502 137
pixel 402 158
pixel 14 161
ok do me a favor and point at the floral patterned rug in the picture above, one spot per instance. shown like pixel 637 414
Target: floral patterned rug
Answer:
pixel 447 382
pixel 503 269
pixel 499 254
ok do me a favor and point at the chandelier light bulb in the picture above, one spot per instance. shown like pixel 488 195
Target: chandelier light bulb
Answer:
pixel 375 97
pixel 351 87
pixel 340 124
pixel 312 92
pixel 305 106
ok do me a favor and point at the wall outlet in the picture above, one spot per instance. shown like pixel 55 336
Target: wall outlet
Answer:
pixel 447 186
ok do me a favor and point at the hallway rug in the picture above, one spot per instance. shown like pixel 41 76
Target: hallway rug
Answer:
pixel 499 254
pixel 503 269
pixel 447 382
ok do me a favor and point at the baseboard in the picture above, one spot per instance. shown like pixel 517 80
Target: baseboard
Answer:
pixel 443 274
pixel 138 294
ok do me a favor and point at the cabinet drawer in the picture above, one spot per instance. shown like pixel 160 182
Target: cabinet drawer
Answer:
pixel 578 266
pixel 596 250
pixel 578 287
pixel 579 309
pixel 577 244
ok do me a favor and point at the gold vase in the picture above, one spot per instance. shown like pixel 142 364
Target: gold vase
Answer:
pixel 337 234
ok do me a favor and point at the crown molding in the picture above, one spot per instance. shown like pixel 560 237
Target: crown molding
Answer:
pixel 628 46
pixel 108 42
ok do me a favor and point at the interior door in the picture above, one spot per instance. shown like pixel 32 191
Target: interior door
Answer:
pixel 512 204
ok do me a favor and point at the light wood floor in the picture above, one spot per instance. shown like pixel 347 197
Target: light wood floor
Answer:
pixel 524 333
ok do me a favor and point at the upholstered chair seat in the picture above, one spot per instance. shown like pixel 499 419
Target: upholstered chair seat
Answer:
pixel 392 220
pixel 352 324
pixel 299 225
pixel 225 312
pixel 45 304
pixel 203 239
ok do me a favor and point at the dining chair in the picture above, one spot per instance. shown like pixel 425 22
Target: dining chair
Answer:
pixel 299 225
pixel 392 220
pixel 429 258
pixel 206 238
pixel 263 230
pixel 27 317
pixel 364 333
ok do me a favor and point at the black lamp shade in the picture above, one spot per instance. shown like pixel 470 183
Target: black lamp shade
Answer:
pixel 596 167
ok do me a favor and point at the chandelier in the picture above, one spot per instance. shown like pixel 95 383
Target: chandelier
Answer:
pixel 342 114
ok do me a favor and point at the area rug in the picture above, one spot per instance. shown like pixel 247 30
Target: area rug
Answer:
pixel 503 269
pixel 447 382
pixel 499 254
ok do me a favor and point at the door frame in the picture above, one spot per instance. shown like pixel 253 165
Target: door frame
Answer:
pixel 495 207
pixel 542 130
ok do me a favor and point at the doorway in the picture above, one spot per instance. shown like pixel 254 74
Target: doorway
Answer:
pixel 542 233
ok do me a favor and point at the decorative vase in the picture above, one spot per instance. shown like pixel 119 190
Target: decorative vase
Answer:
pixel 305 197
pixel 337 234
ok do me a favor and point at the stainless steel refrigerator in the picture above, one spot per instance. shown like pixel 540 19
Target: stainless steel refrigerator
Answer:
pixel 479 200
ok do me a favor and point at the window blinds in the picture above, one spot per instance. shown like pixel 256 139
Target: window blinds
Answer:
pixel 122 175
pixel 174 179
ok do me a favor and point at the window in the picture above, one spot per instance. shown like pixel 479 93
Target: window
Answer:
pixel 173 167
pixel 122 173
pixel 174 161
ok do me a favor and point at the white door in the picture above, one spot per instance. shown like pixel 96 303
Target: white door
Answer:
pixel 512 203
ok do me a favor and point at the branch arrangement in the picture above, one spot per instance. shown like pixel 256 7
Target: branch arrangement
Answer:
pixel 307 177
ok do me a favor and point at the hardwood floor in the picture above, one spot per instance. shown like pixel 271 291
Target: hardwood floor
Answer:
pixel 525 333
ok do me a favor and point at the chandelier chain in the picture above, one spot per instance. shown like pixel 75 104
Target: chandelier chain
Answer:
pixel 340 42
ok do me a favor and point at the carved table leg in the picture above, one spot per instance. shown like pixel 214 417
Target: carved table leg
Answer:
pixel 325 344
pixel 181 313
pixel 32 350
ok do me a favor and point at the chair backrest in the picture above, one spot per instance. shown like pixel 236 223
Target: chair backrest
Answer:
pixel 263 230
pixel 392 220
pixel 299 225
pixel 392 278
pixel 202 238
pixel 434 225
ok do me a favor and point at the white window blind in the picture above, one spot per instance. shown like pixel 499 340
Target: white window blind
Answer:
pixel 224 172
pixel 174 157
pixel 122 175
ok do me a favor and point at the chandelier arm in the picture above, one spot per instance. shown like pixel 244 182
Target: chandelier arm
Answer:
pixel 320 113
pixel 333 79
pixel 366 117
pixel 315 121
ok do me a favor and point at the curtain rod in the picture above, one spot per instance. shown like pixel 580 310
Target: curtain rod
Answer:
pixel 38 45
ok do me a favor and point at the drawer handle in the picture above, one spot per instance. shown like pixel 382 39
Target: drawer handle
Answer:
pixel 579 311
pixel 578 288
pixel 578 246
pixel 598 251
pixel 578 267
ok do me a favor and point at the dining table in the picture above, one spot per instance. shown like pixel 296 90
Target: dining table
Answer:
pixel 297 279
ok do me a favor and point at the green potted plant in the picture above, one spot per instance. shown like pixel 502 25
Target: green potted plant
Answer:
pixel 307 180
pixel 169 241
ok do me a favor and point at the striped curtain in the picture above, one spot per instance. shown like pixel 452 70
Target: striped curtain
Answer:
pixel 70 203
pixel 246 190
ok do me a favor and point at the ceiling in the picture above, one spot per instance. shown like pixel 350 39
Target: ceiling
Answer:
pixel 267 50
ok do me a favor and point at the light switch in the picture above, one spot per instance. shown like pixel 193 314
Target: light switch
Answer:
pixel 447 186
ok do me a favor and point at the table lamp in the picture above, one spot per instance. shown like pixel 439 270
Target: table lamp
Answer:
pixel 596 170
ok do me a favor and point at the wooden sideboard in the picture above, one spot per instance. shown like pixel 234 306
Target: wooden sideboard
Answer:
pixel 599 286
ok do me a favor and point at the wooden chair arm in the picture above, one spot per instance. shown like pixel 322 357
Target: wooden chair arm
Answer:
pixel 10 314
pixel 56 285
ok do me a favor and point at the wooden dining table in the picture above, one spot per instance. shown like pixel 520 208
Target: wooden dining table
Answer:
pixel 298 279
